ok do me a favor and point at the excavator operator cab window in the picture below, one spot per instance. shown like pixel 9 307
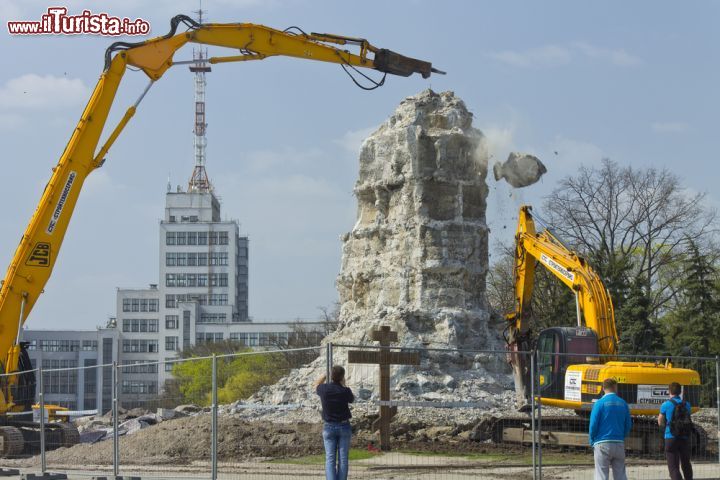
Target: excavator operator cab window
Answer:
pixel 548 358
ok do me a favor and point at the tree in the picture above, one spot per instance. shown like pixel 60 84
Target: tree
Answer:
pixel 638 334
pixel 238 377
pixel 695 323
pixel 629 222
pixel 634 227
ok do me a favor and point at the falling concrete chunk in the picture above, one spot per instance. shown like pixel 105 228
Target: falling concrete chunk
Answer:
pixel 520 170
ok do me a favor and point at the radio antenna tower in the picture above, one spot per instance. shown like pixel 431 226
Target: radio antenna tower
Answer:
pixel 199 181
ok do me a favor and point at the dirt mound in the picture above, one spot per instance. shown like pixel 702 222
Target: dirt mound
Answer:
pixel 186 440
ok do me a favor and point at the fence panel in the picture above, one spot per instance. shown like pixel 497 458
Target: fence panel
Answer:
pixel 570 384
pixel 87 448
pixel 456 414
pixel 21 446
pixel 267 426
pixel 165 430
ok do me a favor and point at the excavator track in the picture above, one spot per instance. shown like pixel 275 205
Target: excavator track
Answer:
pixel 572 431
pixel 13 443
pixel 69 435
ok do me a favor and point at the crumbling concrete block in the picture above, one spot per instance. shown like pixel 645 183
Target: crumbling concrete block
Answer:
pixel 519 170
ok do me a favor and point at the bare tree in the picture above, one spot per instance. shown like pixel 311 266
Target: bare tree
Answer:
pixel 630 222
pixel 306 335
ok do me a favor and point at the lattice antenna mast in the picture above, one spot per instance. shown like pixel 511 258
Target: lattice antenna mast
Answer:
pixel 199 181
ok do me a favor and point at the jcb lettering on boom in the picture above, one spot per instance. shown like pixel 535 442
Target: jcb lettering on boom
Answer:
pixel 40 255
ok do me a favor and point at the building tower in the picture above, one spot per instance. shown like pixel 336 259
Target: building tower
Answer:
pixel 199 181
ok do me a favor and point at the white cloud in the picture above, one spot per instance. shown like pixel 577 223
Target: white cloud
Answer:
pixel 31 91
pixel 670 127
pixel 546 56
pixel 617 57
pixel 557 55
pixel 352 140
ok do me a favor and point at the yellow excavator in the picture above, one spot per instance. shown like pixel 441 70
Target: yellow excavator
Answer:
pixel 39 246
pixel 572 362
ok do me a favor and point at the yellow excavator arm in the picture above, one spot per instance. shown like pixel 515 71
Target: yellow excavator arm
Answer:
pixel 39 246
pixel 595 308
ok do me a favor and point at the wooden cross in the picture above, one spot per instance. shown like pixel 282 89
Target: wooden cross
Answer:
pixel 384 358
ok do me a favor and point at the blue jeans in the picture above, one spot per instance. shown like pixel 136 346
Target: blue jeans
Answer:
pixel 336 437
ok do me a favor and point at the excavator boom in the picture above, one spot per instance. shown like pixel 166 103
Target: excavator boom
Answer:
pixel 40 245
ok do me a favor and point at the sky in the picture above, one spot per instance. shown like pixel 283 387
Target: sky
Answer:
pixel 632 81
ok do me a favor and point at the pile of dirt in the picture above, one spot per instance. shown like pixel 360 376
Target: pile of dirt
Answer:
pixel 184 441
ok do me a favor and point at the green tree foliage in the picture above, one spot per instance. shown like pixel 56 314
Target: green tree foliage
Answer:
pixel 638 334
pixel 694 325
pixel 237 377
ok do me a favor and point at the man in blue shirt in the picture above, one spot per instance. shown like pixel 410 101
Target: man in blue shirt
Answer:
pixel 610 423
pixel 677 449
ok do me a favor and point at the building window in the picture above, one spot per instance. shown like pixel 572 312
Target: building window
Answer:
pixel 170 259
pixel 139 386
pixel 219 258
pixel 223 238
pixel 59 346
pixel 180 238
pixel 154 305
pixel 140 346
pixel 170 236
pixel 208 337
pixel 60 381
pixel 139 366
pixel 213 318
pixel 252 340
pixel 217 299
pixel 126 304
pixel 140 325
pixel 171 344
pixel 171 322
pixel 202 259
pixel 89 345
pixel 169 364
pixel 202 238
pixel 169 301
pixel 186 328
pixel 192 237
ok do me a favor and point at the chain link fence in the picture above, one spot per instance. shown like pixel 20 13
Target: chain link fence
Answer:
pixel 434 414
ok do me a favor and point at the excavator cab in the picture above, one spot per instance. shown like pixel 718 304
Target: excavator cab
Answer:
pixel 559 347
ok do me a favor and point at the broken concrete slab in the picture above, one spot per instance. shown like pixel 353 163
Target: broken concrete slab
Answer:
pixel 519 170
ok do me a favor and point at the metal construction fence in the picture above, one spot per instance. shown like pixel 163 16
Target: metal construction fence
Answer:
pixel 426 413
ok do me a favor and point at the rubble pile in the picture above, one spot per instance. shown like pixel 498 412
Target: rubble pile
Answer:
pixel 416 260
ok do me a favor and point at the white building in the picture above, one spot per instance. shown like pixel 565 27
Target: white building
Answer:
pixel 201 296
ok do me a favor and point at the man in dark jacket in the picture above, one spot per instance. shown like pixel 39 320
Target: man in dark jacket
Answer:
pixel 335 397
